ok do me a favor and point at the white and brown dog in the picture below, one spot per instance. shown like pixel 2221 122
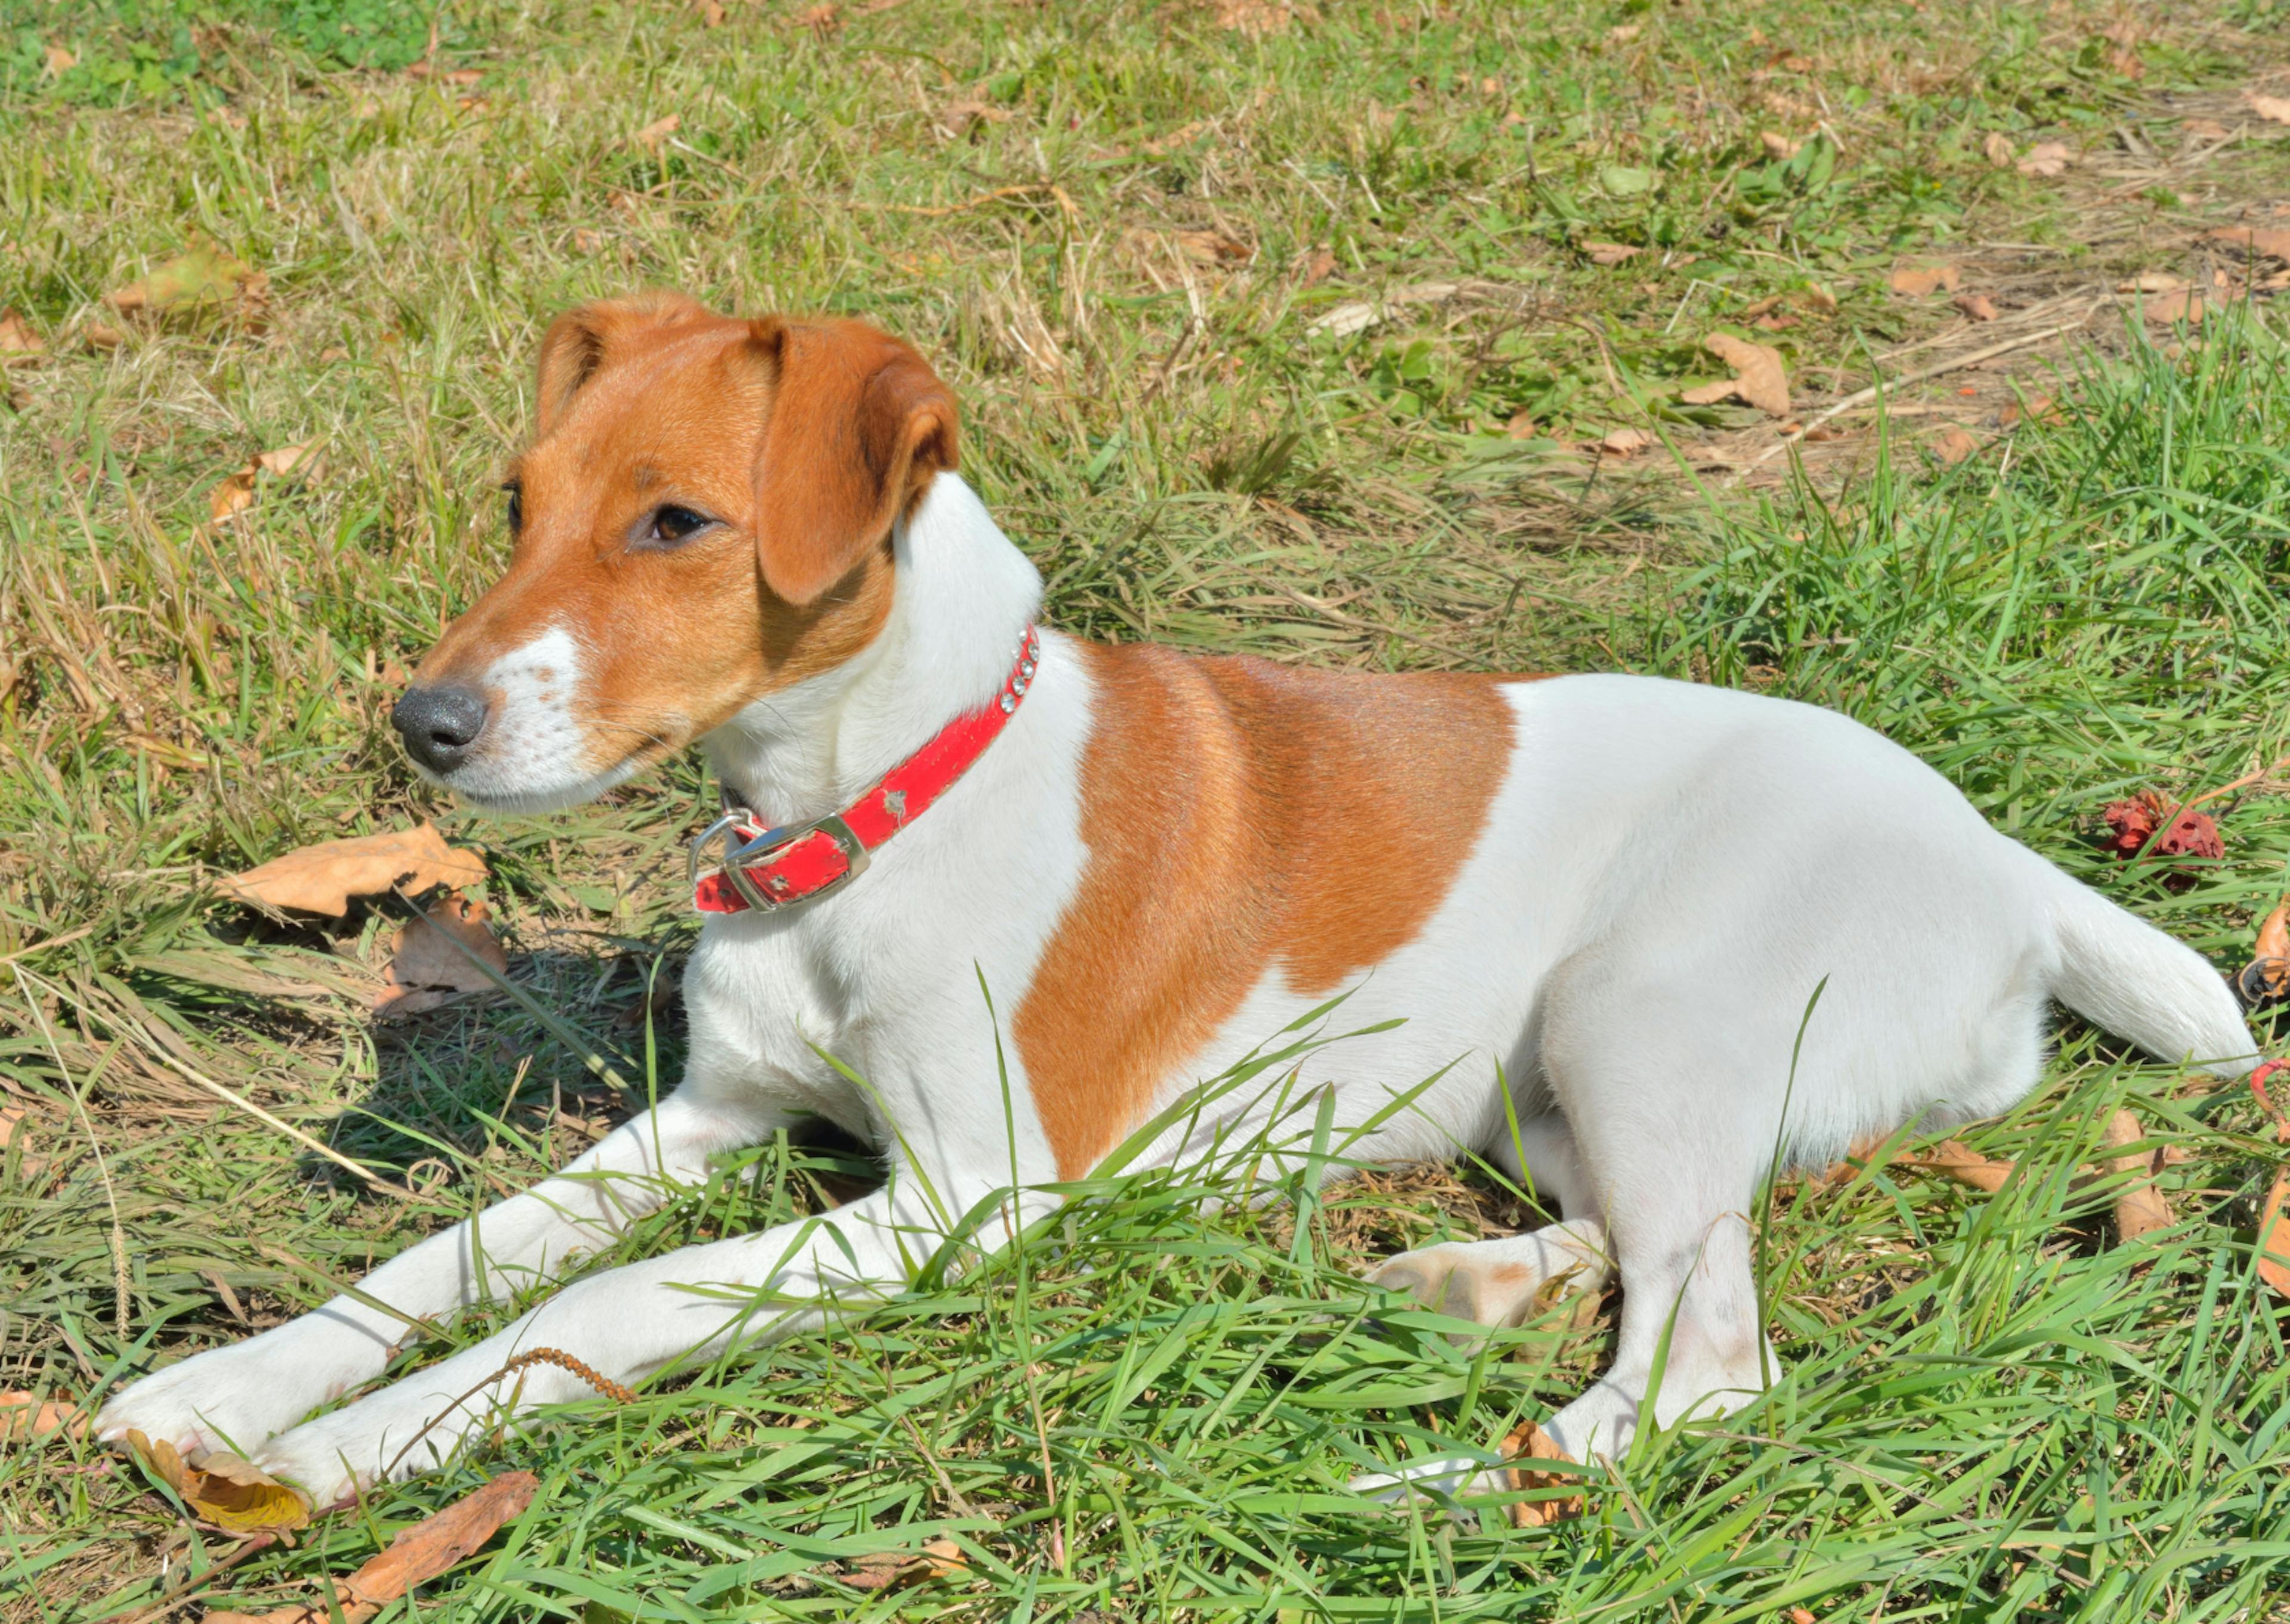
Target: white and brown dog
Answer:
pixel 1612 896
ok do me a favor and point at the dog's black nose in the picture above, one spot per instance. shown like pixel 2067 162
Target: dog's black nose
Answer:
pixel 439 724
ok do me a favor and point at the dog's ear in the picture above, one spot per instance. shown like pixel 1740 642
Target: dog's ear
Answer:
pixel 578 342
pixel 859 427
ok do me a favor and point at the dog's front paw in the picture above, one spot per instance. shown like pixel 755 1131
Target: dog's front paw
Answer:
pixel 235 1397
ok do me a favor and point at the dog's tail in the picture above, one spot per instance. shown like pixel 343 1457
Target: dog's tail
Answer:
pixel 2119 973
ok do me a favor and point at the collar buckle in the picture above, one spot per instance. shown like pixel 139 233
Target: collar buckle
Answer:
pixel 771 843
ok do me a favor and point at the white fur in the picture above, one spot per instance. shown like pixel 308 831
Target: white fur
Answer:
pixel 533 754
pixel 1667 875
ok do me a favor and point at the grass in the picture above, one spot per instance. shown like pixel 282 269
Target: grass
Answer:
pixel 1150 1411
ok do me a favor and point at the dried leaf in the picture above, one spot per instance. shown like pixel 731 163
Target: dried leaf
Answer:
pixel 1778 146
pixel 1918 281
pixel 1952 445
pixel 1758 377
pixel 1821 299
pixel 1954 1159
pixel 821 19
pixel 2273 109
pixel 653 134
pixel 2185 305
pixel 958 119
pixel 58 61
pixel 2255 240
pixel 2140 1209
pixel 322 878
pixel 232 494
pixel 2037 409
pixel 2273 936
pixel 2274 1233
pixel 712 13
pixel 103 335
pixel 1213 248
pixel 1611 253
pixel 1318 268
pixel 439 1541
pixel 1257 18
pixel 1998 149
pixel 27 1417
pixel 2266 979
pixel 431 957
pixel 1979 307
pixel 1625 442
pixel 939 1559
pixel 283 462
pixel 415 1557
pixel 2151 282
pixel 18 341
pixel 202 275
pixel 12 1118
pixel 1521 427
pixel 230 1493
pixel 1529 1442
pixel 2047 158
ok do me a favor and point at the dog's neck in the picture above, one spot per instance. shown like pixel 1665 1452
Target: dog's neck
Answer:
pixel 964 596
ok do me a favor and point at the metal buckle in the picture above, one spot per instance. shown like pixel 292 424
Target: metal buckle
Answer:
pixel 738 859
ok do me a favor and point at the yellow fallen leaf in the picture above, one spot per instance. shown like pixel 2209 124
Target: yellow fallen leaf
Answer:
pixel 202 275
pixel 417 1556
pixel 27 1417
pixel 1758 377
pixel 322 878
pixel 232 1494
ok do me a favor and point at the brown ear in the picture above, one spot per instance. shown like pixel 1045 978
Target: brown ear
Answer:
pixel 577 342
pixel 859 425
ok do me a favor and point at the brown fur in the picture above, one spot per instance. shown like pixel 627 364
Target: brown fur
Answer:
pixel 806 438
pixel 1242 819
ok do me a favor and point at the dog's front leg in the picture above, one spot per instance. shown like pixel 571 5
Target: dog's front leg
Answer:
pixel 626 1323
pixel 235 1397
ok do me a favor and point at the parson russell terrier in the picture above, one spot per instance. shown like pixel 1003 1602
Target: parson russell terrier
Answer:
pixel 1612 896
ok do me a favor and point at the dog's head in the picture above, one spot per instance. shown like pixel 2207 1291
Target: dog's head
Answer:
pixel 703 519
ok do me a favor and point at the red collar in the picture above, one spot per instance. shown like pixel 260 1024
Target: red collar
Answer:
pixel 769 869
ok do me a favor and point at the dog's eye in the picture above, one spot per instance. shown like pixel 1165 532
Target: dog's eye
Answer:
pixel 672 524
pixel 516 507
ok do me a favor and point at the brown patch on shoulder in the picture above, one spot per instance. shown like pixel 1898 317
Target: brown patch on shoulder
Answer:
pixel 1241 817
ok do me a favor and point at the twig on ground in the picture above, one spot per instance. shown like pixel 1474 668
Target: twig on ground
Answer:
pixel 1861 396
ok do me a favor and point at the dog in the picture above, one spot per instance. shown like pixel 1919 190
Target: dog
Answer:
pixel 1644 937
